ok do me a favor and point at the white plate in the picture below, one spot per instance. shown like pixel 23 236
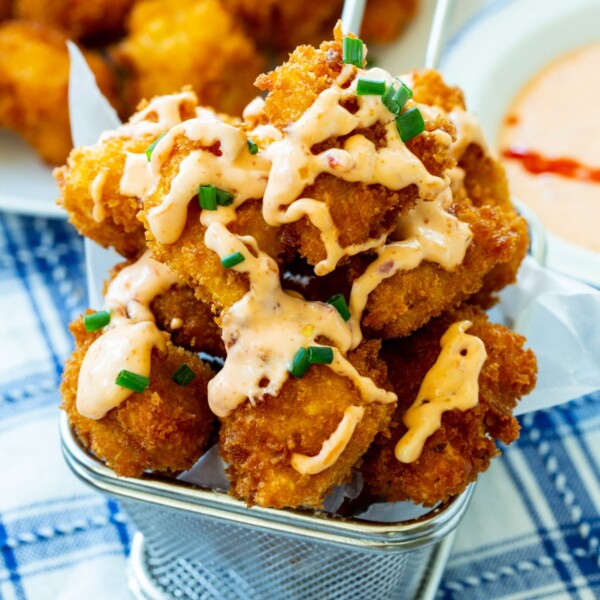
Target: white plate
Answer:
pixel 499 51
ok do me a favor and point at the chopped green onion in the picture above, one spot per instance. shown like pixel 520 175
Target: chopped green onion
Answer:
pixel 232 260
pixel 395 97
pixel 150 148
pixel 352 52
pixel 184 376
pixel 208 197
pixel 252 147
pixel 388 99
pixel 339 303
pixel 410 124
pixel 224 198
pixel 370 87
pixel 320 355
pixel 132 381
pixel 300 363
pixel 96 320
pixel 403 94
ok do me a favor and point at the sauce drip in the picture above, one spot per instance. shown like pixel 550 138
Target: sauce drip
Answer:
pixel 129 338
pixel 263 331
pixel 96 190
pixel 452 383
pixel 332 447
pixel 566 167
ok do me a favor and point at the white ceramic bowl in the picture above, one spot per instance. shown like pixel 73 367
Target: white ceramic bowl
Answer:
pixel 498 52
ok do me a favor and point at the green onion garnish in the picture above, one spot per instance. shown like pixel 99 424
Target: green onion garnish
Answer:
pixel 395 97
pixel 403 94
pixel 370 87
pixel 320 355
pixel 352 51
pixel 208 197
pixel 184 376
pixel 132 381
pixel 233 259
pixel 252 147
pixel 96 320
pixel 410 124
pixel 300 363
pixel 388 99
pixel 339 303
pixel 224 198
pixel 150 148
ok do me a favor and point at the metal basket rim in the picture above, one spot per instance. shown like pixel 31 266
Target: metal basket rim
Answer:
pixel 183 497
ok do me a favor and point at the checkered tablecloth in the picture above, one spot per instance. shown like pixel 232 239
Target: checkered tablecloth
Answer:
pixel 532 530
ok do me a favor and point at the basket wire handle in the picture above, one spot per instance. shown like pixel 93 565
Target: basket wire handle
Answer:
pixel 352 16
pixel 437 35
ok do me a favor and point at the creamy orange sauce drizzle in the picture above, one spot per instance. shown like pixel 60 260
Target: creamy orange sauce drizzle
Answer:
pixel 129 338
pixel 333 447
pixel 295 167
pixel 264 330
pixel 96 190
pixel 452 383
pixel 428 232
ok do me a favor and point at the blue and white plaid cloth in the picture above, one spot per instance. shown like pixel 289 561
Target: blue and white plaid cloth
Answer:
pixel 532 530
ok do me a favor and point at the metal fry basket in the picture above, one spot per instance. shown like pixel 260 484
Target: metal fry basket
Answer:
pixel 203 544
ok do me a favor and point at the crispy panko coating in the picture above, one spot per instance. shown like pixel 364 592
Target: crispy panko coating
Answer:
pixel 190 322
pixel 116 225
pixel 464 445
pixel 189 42
pixel 284 24
pixel 79 19
pixel 359 211
pixel 258 441
pixel 34 76
pixel 165 428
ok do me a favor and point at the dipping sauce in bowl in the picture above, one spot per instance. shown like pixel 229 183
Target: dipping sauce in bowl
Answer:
pixel 550 144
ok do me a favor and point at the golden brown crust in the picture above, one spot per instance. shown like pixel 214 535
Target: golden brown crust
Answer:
pixel 258 441
pixel 464 444
pixel 34 76
pixel 188 42
pixel 165 428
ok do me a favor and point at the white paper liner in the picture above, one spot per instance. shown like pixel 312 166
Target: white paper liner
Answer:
pixel 559 316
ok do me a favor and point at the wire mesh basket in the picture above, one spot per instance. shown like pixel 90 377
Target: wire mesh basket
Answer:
pixel 203 544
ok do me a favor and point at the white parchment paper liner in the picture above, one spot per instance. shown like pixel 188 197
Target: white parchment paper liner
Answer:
pixel 560 317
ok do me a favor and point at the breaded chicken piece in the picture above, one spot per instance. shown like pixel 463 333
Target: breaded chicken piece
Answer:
pixel 109 218
pixel 258 441
pixel 189 42
pixel 465 443
pixel 284 24
pixel 165 428
pixel 79 19
pixel 359 211
pixel 34 78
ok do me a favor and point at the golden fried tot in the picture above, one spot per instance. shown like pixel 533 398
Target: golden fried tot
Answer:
pixel 34 75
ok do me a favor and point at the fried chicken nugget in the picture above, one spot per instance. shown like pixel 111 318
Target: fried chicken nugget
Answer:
pixel 90 183
pixel 464 444
pixel 34 78
pixel 165 428
pixel 189 42
pixel 359 211
pixel 285 24
pixel 258 441
pixel 79 19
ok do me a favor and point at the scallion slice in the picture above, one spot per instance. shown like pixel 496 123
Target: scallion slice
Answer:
pixel 207 195
pixel 352 51
pixel 300 363
pixel 370 87
pixel 232 260
pixel 97 320
pixel 410 124
pixel 339 303
pixel 184 376
pixel 402 94
pixel 150 148
pixel 320 355
pixel 388 100
pixel 252 147
pixel 132 381
pixel 224 198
